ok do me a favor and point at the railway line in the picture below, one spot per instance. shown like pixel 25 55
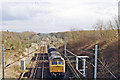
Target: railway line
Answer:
pixel 41 68
pixel 77 74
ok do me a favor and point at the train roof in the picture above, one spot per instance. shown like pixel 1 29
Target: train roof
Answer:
pixel 55 53
pixel 56 57
pixel 51 49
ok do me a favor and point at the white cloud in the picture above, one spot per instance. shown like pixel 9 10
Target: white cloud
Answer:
pixel 55 15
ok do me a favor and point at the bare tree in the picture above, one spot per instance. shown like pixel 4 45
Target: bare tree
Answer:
pixel 117 25
pixel 99 26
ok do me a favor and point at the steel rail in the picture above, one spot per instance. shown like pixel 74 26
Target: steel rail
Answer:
pixel 37 60
pixel 107 69
pixel 43 64
pixel 75 72
pixel 93 65
pixel 34 74
pixel 102 65
pixel 42 53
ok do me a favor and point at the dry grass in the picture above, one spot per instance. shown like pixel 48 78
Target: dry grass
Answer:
pixel 16 45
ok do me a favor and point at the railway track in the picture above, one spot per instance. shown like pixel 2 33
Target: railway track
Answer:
pixel 41 68
pixel 77 74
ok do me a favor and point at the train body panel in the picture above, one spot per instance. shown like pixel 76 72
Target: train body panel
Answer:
pixel 57 66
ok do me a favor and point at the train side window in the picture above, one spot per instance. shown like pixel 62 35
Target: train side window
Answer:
pixel 54 63
pixel 61 62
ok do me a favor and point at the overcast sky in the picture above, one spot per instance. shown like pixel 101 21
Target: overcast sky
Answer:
pixel 46 16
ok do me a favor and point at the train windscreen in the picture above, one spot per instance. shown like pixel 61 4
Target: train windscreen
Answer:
pixel 54 63
pixel 61 63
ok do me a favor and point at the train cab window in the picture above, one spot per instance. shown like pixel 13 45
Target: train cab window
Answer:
pixel 61 63
pixel 54 63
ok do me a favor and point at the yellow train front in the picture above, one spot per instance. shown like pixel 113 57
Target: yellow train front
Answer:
pixel 56 63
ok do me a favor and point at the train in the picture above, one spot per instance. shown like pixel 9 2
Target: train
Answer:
pixel 56 63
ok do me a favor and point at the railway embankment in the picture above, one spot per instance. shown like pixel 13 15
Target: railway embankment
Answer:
pixel 13 63
pixel 84 44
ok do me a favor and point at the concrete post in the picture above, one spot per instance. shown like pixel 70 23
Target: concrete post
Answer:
pixel 84 60
pixel 65 47
pixel 3 60
pixel 76 62
pixel 23 64
pixel 95 73
pixel 28 46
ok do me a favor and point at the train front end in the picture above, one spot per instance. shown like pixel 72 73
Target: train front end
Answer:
pixel 57 68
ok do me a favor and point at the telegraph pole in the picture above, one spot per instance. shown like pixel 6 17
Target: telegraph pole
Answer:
pixel 37 42
pixel 57 44
pixel 95 71
pixel 28 45
pixel 65 47
pixel 3 59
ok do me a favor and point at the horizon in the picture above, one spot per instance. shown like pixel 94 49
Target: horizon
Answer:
pixel 54 32
pixel 50 32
